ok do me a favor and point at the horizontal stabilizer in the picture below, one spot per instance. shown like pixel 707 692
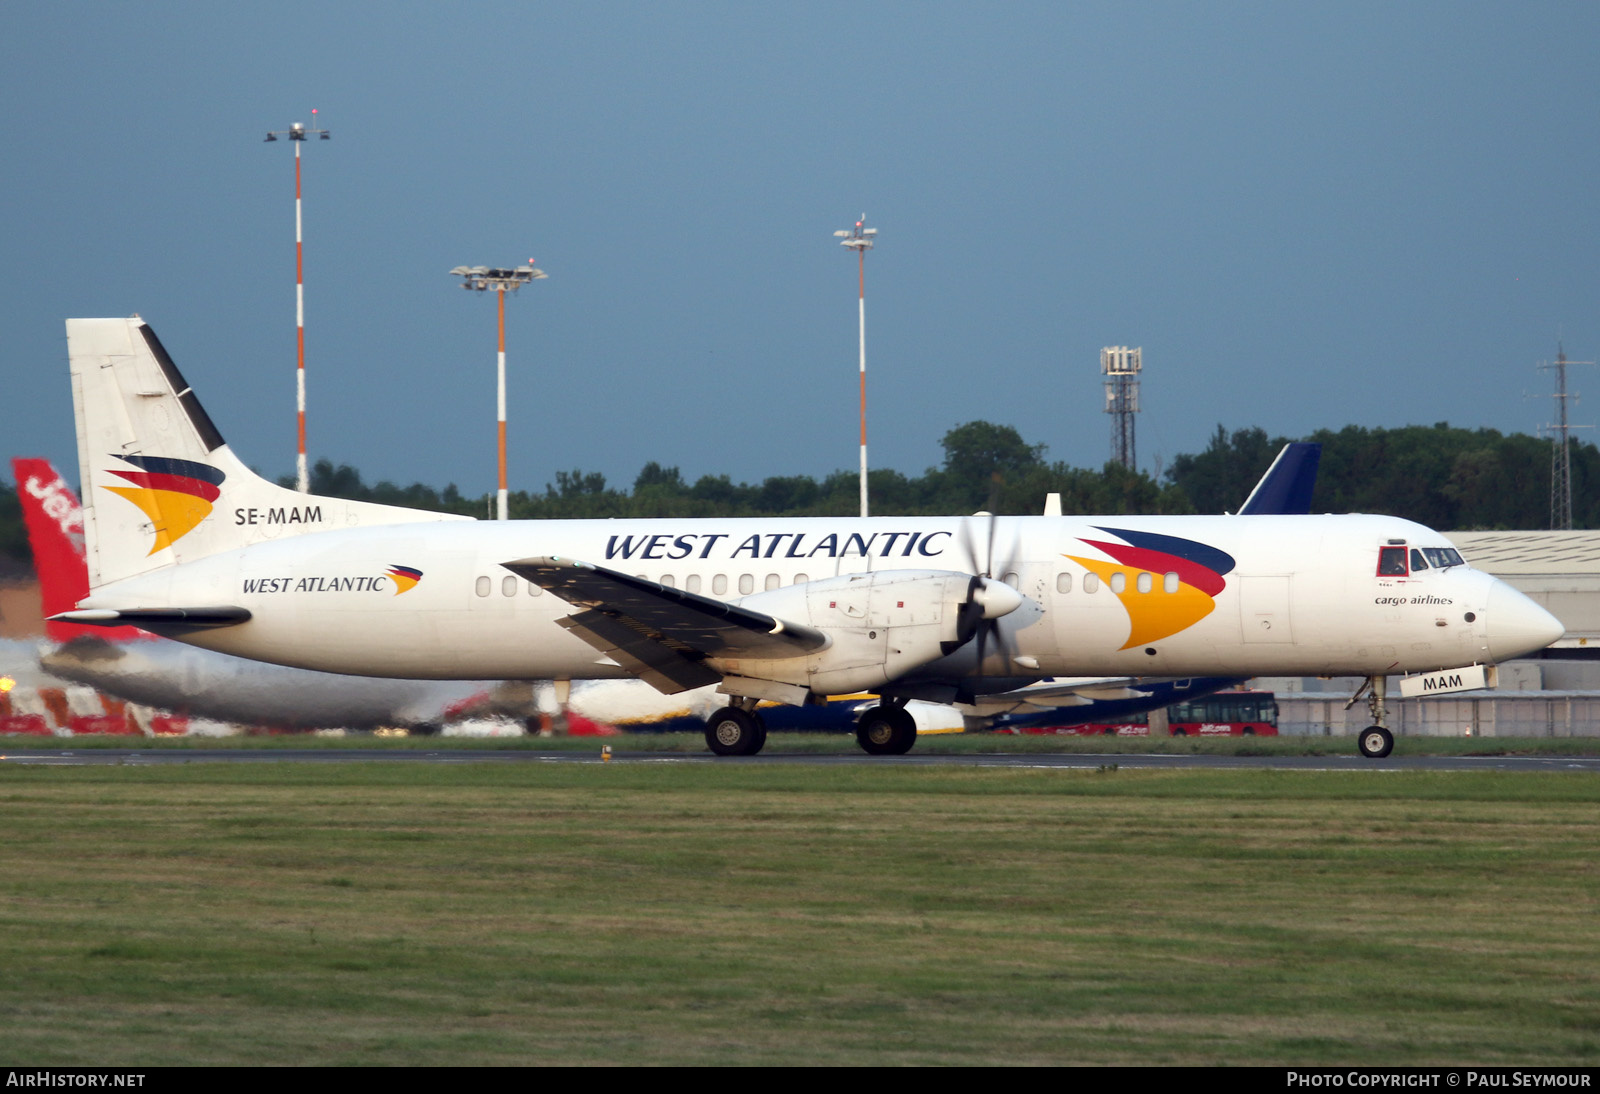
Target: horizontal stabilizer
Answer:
pixel 157 620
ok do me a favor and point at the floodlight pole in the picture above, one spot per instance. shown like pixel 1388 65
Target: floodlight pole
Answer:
pixel 500 279
pixel 297 134
pixel 860 240
pixel 502 501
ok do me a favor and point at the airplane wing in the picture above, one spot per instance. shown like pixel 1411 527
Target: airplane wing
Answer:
pixel 1074 692
pixel 660 634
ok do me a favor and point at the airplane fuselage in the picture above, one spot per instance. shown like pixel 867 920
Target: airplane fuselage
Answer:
pixel 1103 596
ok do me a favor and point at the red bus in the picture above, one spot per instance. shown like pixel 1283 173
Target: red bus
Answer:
pixel 1224 714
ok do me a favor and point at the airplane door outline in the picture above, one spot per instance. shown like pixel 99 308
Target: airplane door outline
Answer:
pixel 1265 613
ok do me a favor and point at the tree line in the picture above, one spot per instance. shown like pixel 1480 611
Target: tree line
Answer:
pixel 1444 477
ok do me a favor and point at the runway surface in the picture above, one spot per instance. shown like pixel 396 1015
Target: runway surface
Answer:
pixel 88 757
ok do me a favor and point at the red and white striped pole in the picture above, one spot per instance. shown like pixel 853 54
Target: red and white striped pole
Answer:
pixel 298 133
pixel 302 473
pixel 860 239
pixel 502 506
pixel 861 256
pixel 501 279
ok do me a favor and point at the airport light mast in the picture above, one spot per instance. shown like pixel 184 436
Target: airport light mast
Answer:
pixel 298 134
pixel 859 239
pixel 500 279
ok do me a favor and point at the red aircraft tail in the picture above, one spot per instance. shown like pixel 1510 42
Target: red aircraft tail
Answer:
pixel 55 531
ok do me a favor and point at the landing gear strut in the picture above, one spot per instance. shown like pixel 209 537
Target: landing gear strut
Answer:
pixel 736 730
pixel 886 730
pixel 1375 742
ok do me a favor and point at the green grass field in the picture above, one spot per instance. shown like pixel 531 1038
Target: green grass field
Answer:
pixel 640 913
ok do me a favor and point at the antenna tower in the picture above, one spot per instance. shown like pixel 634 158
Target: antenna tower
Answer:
pixel 1121 366
pixel 1560 449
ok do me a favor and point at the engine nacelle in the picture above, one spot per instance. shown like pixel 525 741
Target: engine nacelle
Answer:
pixel 880 625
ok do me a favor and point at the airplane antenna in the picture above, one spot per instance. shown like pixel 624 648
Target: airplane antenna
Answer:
pixel 859 239
pixel 297 135
pixel 500 279
pixel 1560 450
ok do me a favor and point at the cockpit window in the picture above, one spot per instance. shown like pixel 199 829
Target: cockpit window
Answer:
pixel 1391 562
pixel 1417 562
pixel 1443 557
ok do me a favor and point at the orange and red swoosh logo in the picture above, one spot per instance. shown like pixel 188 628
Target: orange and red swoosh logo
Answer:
pixel 175 494
pixel 1157 614
pixel 405 578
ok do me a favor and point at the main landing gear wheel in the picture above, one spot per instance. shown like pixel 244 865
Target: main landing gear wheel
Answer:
pixel 1375 742
pixel 735 732
pixel 886 731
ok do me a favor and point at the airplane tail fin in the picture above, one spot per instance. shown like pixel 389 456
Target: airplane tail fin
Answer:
pixel 1287 486
pixel 160 485
pixel 54 519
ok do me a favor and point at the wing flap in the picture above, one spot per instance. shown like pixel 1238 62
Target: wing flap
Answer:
pixel 661 634
pixel 667 670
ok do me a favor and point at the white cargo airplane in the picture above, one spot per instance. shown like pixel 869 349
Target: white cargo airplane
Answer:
pixel 185 540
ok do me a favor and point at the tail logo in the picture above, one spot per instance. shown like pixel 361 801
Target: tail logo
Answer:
pixel 175 494
pixel 405 578
pixel 1162 611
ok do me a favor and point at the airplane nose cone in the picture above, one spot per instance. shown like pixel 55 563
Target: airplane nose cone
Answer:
pixel 1516 626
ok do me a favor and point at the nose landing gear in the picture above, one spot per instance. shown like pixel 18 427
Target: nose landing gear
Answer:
pixel 1375 742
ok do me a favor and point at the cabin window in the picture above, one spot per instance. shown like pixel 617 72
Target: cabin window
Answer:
pixel 691 584
pixel 1417 561
pixel 508 586
pixel 669 581
pixel 719 584
pixel 1443 557
pixel 1119 582
pixel 801 579
pixel 1012 579
pixel 747 584
pixel 484 585
pixel 1145 582
pixel 1063 583
pixel 1091 583
pixel 773 581
pixel 534 590
pixel 1169 583
pixel 1391 562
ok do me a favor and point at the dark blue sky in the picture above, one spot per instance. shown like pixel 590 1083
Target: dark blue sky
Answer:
pixel 1307 215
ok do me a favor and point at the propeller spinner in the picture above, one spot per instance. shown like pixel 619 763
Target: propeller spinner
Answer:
pixel 988 599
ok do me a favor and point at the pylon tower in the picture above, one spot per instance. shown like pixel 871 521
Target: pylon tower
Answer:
pixel 1560 450
pixel 1121 366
